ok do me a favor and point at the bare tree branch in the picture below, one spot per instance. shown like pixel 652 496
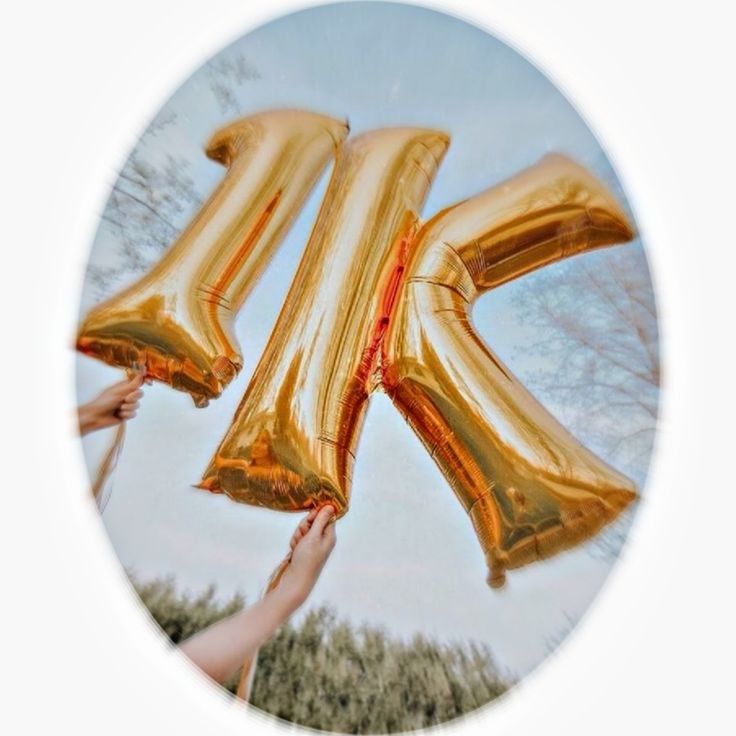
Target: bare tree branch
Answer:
pixel 596 360
pixel 151 202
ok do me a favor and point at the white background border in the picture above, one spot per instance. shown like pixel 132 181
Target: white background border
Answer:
pixel 80 79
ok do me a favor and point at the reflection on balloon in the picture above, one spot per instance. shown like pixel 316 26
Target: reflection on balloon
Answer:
pixel 379 302
pixel 292 443
pixel 530 488
pixel 176 321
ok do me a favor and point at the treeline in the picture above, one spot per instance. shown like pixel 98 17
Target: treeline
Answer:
pixel 330 675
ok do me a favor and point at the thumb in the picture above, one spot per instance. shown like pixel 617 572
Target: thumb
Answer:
pixel 127 385
pixel 323 518
pixel 137 380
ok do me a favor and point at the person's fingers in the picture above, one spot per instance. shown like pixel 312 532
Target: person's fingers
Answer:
pixel 324 515
pixel 312 513
pixel 330 535
pixel 133 396
pixel 134 383
pixel 307 521
pixel 127 386
pixel 302 529
pixel 121 387
pixel 296 538
pixel 126 415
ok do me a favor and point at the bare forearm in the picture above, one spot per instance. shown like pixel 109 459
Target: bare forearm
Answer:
pixel 221 649
pixel 88 420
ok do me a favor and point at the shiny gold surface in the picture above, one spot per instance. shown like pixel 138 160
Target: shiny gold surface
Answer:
pixel 292 442
pixel 530 488
pixel 378 302
pixel 176 322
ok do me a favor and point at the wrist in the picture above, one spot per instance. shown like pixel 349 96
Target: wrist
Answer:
pixel 87 419
pixel 288 597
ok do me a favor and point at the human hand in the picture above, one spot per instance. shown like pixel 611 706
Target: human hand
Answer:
pixel 114 405
pixel 311 545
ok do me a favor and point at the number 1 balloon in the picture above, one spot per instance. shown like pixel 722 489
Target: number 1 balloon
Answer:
pixel 176 322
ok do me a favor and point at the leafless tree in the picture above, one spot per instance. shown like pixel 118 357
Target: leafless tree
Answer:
pixel 226 75
pixel 595 360
pixel 554 640
pixel 141 212
pixel 153 198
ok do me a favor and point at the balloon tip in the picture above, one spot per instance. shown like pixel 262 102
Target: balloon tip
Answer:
pixel 200 401
pixel 496 577
pixel 209 484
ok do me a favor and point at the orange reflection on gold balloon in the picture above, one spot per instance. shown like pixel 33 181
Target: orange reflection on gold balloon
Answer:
pixel 292 442
pixel 266 475
pixel 379 302
pixel 530 488
pixel 176 321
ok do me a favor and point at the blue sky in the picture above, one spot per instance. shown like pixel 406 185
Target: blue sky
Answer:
pixel 407 557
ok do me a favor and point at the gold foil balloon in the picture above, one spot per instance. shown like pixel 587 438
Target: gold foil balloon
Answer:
pixel 293 440
pixel 176 322
pixel 530 488
pixel 379 302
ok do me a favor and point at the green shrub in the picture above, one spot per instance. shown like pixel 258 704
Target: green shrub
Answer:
pixel 330 675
